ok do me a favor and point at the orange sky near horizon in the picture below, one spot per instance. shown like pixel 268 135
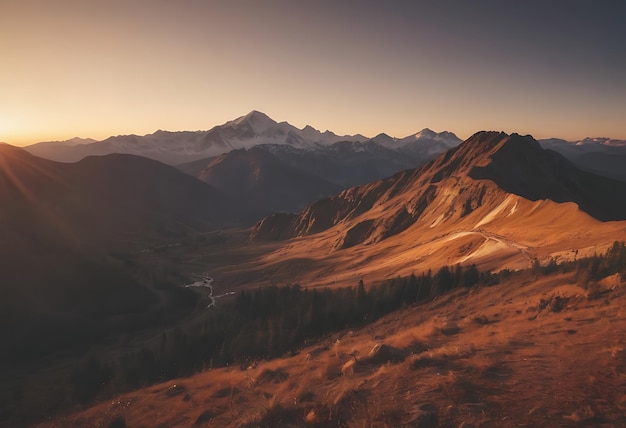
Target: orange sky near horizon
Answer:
pixel 94 69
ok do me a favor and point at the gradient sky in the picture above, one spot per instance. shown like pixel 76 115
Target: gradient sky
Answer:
pixel 95 68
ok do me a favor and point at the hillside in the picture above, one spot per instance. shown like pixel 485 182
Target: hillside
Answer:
pixel 107 198
pixel 502 356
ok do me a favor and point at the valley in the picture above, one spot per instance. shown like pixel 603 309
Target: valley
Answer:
pixel 498 229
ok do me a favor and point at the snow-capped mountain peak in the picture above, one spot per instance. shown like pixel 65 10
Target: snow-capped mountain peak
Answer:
pixel 443 136
pixel 259 122
pixel 426 133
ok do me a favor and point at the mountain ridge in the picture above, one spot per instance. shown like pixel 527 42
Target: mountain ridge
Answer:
pixel 455 210
pixel 252 129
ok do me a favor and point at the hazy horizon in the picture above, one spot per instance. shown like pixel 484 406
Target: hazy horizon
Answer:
pixel 462 137
pixel 93 70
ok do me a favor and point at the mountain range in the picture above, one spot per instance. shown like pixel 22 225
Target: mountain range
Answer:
pixel 604 156
pixel 245 132
pixel 274 166
pixel 121 200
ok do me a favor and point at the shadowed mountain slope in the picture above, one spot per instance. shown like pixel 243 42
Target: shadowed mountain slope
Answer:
pixel 349 163
pixel 64 230
pixel 108 198
pixel 522 167
pixel 261 179
pixel 609 165
pixel 602 156
pixel 279 178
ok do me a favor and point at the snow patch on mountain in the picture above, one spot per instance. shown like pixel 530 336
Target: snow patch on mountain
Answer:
pixel 605 141
pixel 493 215
pixel 442 140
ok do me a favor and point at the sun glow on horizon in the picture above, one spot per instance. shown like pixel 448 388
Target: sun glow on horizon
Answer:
pixel 94 70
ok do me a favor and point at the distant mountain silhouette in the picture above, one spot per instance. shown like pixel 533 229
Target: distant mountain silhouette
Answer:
pixel 602 156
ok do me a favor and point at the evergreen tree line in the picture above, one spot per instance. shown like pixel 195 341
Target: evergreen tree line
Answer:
pixel 588 270
pixel 597 267
pixel 266 322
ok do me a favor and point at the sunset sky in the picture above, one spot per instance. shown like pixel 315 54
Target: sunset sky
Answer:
pixel 95 68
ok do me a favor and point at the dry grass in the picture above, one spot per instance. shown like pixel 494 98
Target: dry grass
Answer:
pixel 565 367
pixel 506 231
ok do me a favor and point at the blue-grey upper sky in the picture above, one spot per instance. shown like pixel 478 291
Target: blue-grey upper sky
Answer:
pixel 96 68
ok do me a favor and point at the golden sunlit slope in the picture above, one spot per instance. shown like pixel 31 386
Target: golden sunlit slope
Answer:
pixel 529 352
pixel 496 200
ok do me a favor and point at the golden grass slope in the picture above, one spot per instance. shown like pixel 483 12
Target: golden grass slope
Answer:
pixel 506 231
pixel 540 353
